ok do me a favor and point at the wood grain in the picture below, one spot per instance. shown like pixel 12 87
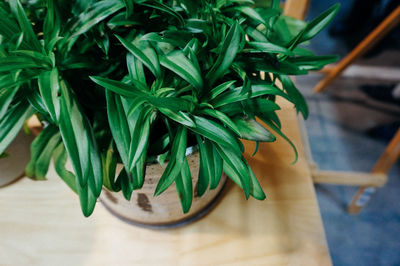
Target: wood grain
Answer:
pixel 349 178
pixel 296 8
pixel 41 223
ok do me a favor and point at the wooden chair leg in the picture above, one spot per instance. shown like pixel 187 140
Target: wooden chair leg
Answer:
pixel 374 37
pixel 385 162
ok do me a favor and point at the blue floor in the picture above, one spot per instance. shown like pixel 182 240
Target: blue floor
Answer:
pixel 338 124
pixel 336 129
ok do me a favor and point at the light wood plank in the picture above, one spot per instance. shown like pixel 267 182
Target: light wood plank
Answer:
pixel 349 178
pixel 41 223
pixel 296 8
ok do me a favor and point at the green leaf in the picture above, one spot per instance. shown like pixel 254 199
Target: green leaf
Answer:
pixel 6 96
pixel 250 129
pixel 119 126
pixel 221 88
pixel 275 67
pixel 174 104
pixel 184 187
pixel 210 166
pixel 12 122
pixel 235 95
pixel 135 69
pixel 25 25
pixel 229 50
pixel 124 181
pixel 139 171
pixel 257 35
pixel 177 159
pixel 43 145
pixel 109 161
pixel 178 63
pixel 164 8
pixel 121 88
pixel 51 26
pixel 37 57
pixel 87 199
pixel 268 120
pixel 215 132
pixel 275 4
pixel 319 23
pixel 252 13
pixel 11 63
pixel 255 189
pixel 129 7
pixel 295 95
pixel 96 171
pixel 313 62
pixel 140 136
pixel 49 87
pixel 43 161
pixel 75 136
pixel 60 159
pixel 223 118
pixel 9 26
pixel 93 16
pixel 192 7
pixel 237 168
pixel 180 117
pixel 206 170
pixel 148 58
pixel 268 47
pixel 78 138
pixel 216 177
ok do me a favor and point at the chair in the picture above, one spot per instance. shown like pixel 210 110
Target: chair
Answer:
pixel 378 175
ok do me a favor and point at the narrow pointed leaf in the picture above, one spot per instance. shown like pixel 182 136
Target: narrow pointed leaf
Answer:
pixel 12 122
pixel 240 173
pixel 206 169
pixel 267 120
pixel 223 118
pixel 227 55
pixel 151 62
pixel 25 25
pixel 60 159
pixel 215 132
pixel 319 23
pixel 49 88
pixel 267 47
pixel 184 187
pixel 221 88
pixel 121 88
pixel 178 63
pixel 174 166
pixel 250 129
pixel 295 95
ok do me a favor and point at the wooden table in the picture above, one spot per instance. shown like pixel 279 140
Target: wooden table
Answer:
pixel 41 223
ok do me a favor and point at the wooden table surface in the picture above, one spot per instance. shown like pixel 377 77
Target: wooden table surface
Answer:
pixel 41 222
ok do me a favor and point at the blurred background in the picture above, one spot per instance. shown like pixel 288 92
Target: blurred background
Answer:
pixel 350 124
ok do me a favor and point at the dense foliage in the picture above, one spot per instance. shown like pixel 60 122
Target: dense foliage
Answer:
pixel 134 81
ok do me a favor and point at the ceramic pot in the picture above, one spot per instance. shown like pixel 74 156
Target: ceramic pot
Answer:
pixel 12 167
pixel 164 210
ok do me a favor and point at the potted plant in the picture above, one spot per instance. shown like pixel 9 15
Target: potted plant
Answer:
pixel 142 94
